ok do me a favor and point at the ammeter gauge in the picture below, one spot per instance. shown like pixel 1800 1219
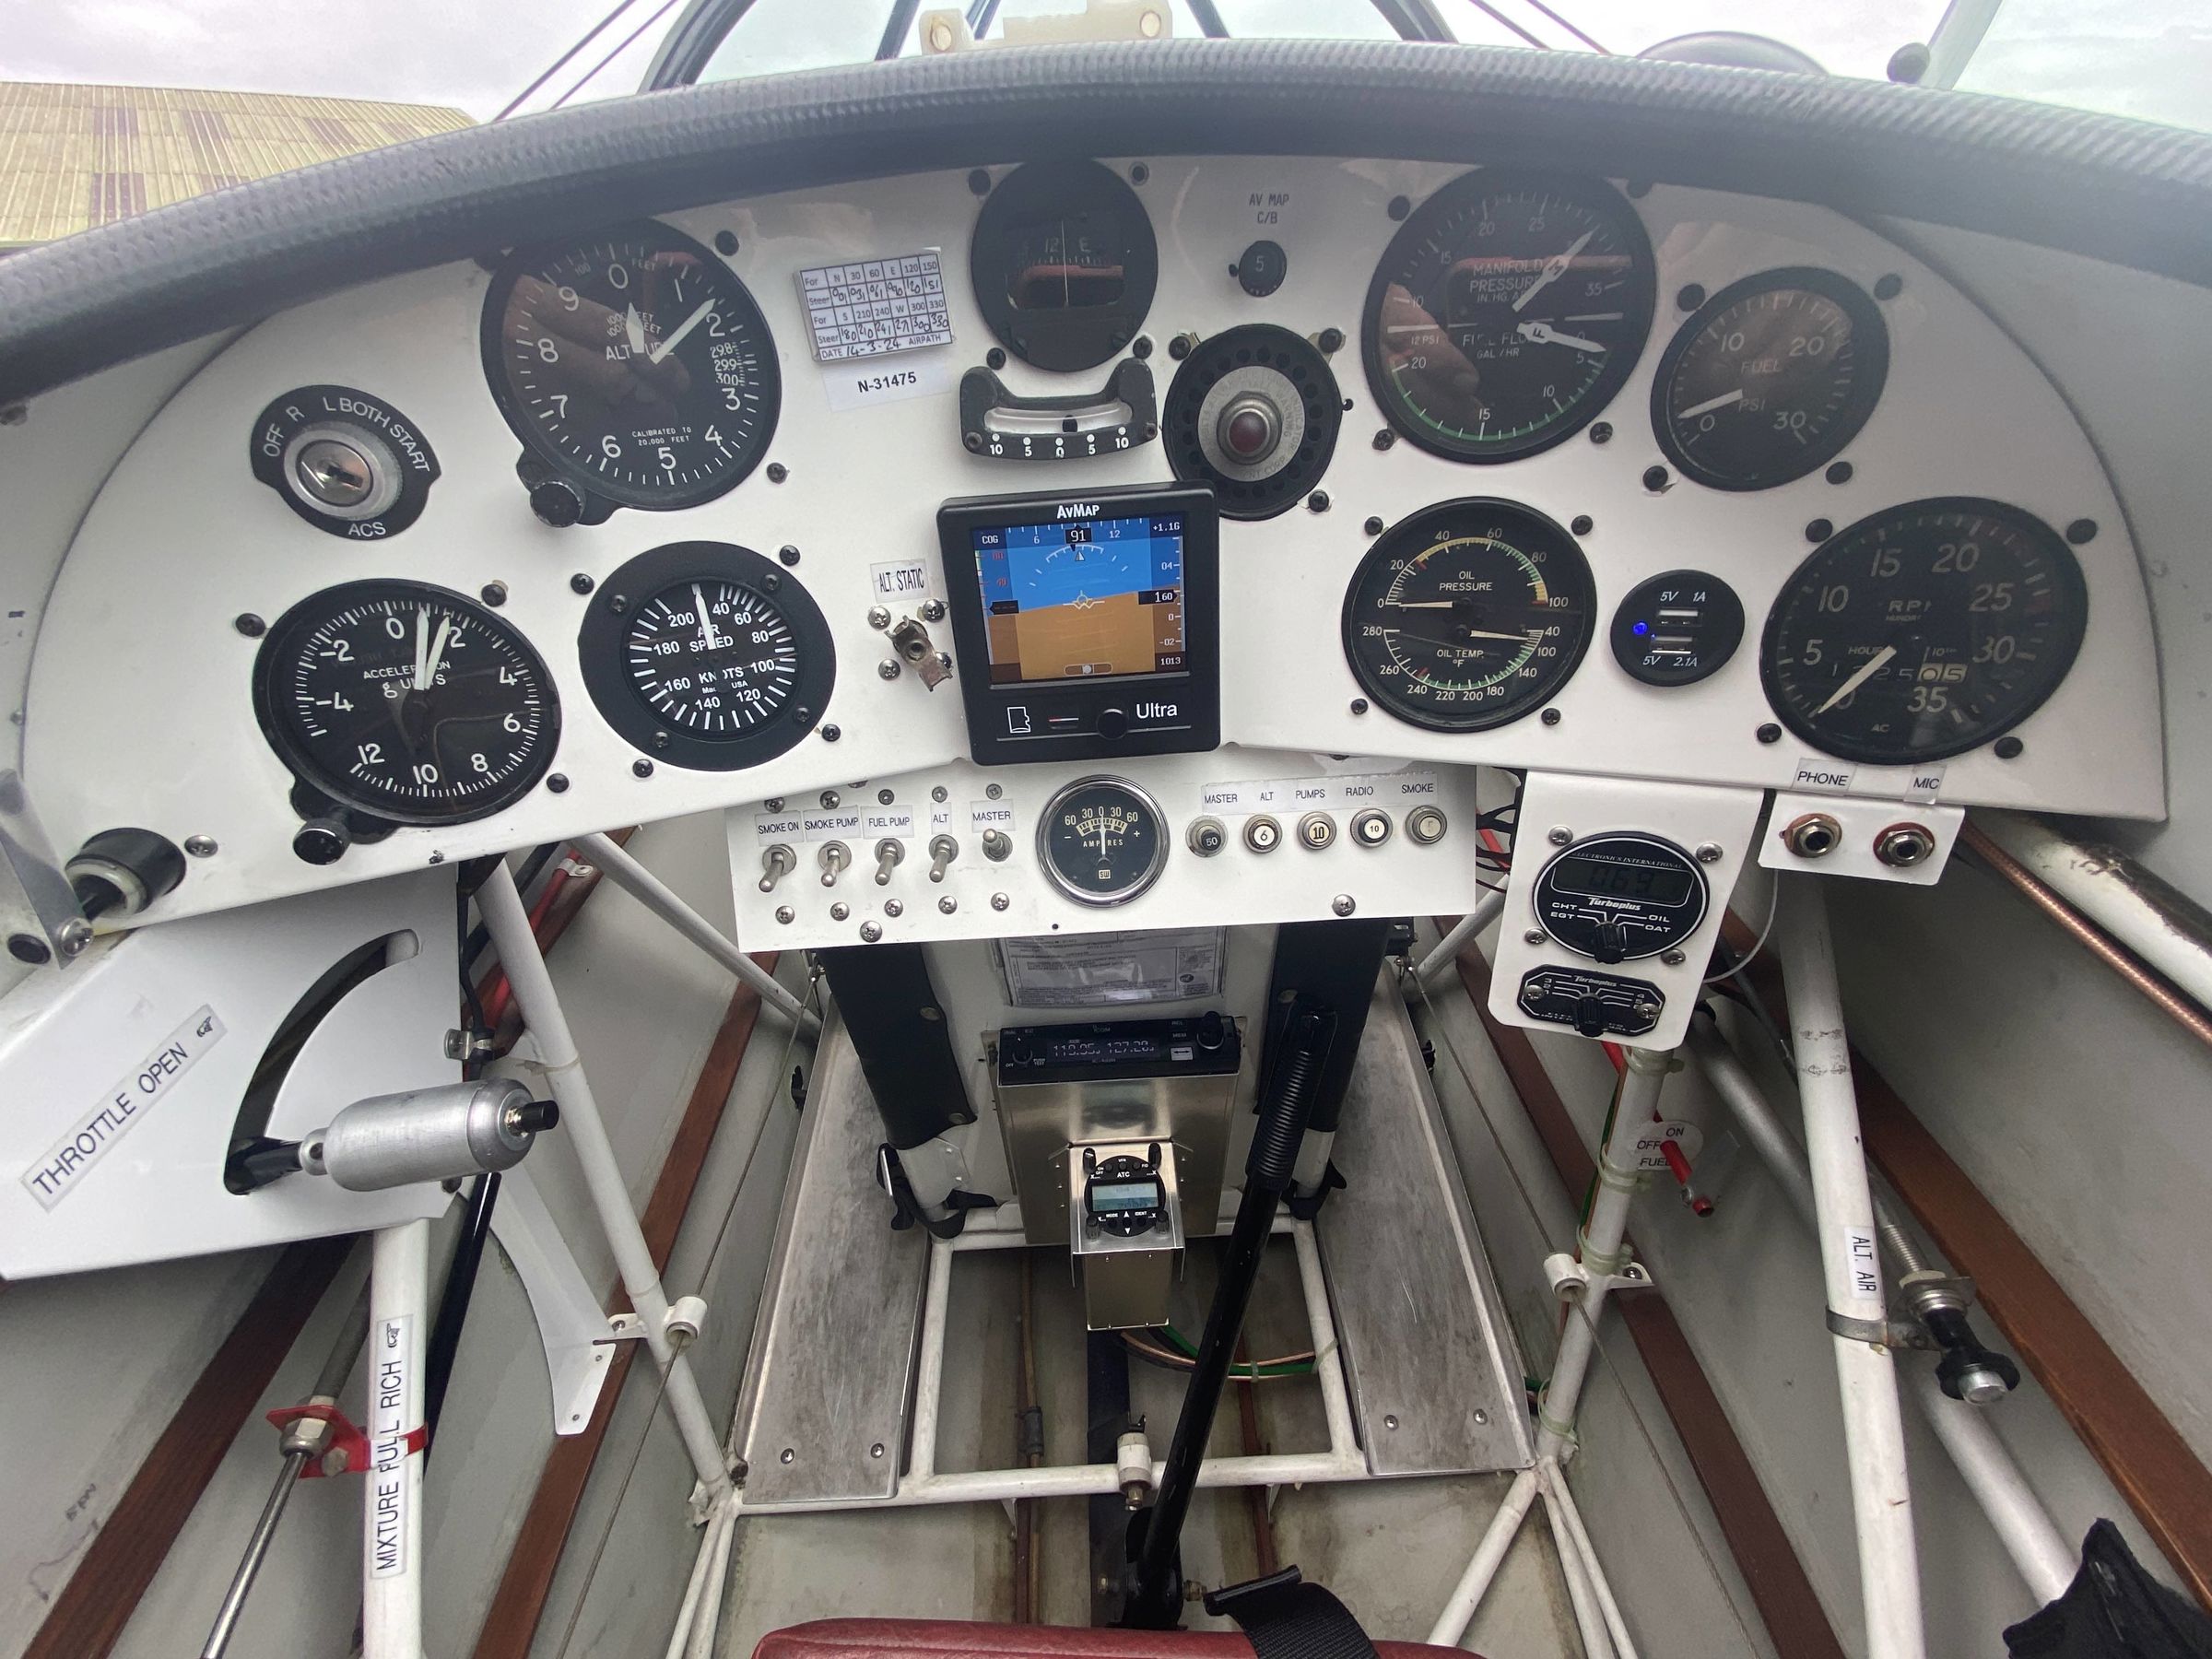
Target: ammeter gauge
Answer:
pixel 1101 841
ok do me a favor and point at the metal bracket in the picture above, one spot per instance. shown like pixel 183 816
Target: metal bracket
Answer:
pixel 1571 1281
pixel 570 1322
pixel 623 1327
pixel 46 918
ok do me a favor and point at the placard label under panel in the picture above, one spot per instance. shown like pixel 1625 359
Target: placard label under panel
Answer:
pixel 875 306
pixel 119 1110
pixel 1114 969
pixel 1386 790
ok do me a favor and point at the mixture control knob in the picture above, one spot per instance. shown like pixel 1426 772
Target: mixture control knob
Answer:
pixel 1590 1016
pixel 997 844
pixel 778 861
pixel 321 841
pixel 943 849
pixel 890 851
pixel 557 503
pixel 834 856
pixel 1209 1030
pixel 1114 723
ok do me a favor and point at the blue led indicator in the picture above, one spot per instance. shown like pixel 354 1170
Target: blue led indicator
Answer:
pixel 1640 628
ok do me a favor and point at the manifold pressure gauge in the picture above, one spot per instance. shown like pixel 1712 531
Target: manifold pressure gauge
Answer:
pixel 1101 841
pixel 1620 897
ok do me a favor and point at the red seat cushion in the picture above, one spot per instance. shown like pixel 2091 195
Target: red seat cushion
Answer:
pixel 956 1639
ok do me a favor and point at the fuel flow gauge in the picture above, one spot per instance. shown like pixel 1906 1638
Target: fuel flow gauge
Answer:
pixel 1677 627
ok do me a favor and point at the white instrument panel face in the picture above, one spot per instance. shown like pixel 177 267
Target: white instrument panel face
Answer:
pixel 140 711
pixel 1423 862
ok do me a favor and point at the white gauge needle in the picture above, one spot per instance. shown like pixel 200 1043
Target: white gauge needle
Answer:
pixel 1554 268
pixel 683 328
pixel 1711 404
pixel 634 327
pixel 429 667
pixel 1542 334
pixel 1875 664
pixel 422 645
pixel 706 626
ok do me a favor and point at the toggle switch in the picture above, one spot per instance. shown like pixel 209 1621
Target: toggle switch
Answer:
pixel 778 861
pixel 943 849
pixel 997 844
pixel 834 856
pixel 889 851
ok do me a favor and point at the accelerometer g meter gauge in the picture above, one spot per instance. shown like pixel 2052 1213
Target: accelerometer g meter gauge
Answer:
pixel 1620 897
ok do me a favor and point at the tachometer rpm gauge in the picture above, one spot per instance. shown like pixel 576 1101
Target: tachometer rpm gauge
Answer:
pixel 1101 840
pixel 707 655
pixel 635 364
pixel 1924 631
pixel 406 700
pixel 1507 311
pixel 1467 615
pixel 1771 379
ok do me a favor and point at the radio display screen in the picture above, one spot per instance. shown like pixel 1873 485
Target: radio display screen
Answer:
pixel 1096 599
pixel 1121 1196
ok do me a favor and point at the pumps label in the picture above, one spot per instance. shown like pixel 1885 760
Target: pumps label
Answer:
pixel 119 1110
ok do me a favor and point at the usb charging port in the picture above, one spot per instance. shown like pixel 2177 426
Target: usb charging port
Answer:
pixel 1670 646
pixel 1682 614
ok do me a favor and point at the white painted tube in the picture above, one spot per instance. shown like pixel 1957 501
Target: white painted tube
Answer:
pixel 706 1622
pixel 2022 1524
pixel 1589 1622
pixel 1328 1363
pixel 1556 1491
pixel 687 1611
pixel 1874 1430
pixel 2098 886
pixel 1433 965
pixel 392 1564
pixel 929 1380
pixel 1602 1238
pixel 2043 1558
pixel 502 908
pixel 1450 1627
pixel 661 900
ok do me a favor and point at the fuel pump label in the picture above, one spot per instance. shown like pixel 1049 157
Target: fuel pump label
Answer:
pixel 117 1112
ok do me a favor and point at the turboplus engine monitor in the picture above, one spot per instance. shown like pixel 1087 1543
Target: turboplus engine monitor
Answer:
pixel 1088 626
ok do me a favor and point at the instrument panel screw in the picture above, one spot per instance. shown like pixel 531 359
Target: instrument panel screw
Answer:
pixel 30 948
pixel 1550 717
pixel 1390 1421
pixel 2008 749
pixel 1358 705
pixel 778 472
pixel 74 935
pixel 1691 297
pixel 642 768
pixel 1583 523
pixel 949 904
pixel 788 554
pixel 1532 936
pixel 888 669
pixel 831 733
pixel 200 846
pixel 1654 478
pixel 252 626
pixel 725 242
pixel 1818 531
pixel 994 359
pixel 894 908
pixel 1638 189
pixel 784 914
pixel 1673 958
pixel 884 797
pixel 879 618
pixel 1770 733
pixel 494 594
pixel 1318 502
pixel 1342 904
pixel 1141 347
pixel 580 584
pixel 1330 340
pixel 1709 853
pixel 999 901
pixel 1140 175
pixel 787 1454
pixel 1180 347
pixel 1840 473
pixel 936 792
pixel 2081 531
pixel 1602 433
pixel 1559 835
pixel 933 610
pixel 437 858
pixel 1889 288
pixel 1645 1010
pixel 1400 206
pixel 1385 437
pixel 993 791
pixel 1373 526
pixel 557 783
pixel 619 603
pixel 870 932
pixel 978 181
pixel 875 1450
pixel 831 800
pixel 840 911
pixel 660 740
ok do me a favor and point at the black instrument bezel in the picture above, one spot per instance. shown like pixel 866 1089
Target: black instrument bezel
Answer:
pixel 602 653
pixel 280 649
pixel 991 740
pixel 1600 196
pixel 1070 340
pixel 1553 907
pixel 528 260
pixel 1262 344
pixel 1869 344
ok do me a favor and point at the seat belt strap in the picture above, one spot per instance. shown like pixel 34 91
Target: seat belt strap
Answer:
pixel 1285 1617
